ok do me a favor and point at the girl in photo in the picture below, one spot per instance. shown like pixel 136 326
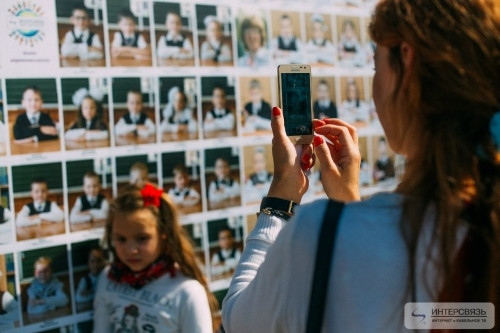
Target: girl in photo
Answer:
pixel 154 271
pixel 89 124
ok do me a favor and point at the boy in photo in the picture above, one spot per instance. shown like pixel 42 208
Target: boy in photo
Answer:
pixel 135 122
pixel 33 125
pixel 92 206
pixel 80 42
pixel 257 112
pixel 225 260
pixel 128 42
pixel 174 45
pixel 40 209
pixel 45 292
pixel 219 118
pixel 223 187
pixel 183 194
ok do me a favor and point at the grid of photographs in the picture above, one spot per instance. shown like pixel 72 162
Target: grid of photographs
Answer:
pixel 178 94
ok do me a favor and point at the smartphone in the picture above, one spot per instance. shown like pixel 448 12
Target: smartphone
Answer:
pixel 294 87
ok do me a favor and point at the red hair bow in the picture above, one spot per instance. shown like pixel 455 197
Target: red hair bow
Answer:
pixel 151 195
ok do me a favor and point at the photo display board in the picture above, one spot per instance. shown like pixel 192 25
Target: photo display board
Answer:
pixel 179 93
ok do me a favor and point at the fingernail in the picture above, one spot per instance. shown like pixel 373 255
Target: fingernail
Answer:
pixel 317 141
pixel 276 111
pixel 306 166
pixel 306 158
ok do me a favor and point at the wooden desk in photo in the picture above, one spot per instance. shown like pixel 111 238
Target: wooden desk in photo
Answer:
pixel 131 62
pixel 189 209
pixel 258 133
pixel 178 136
pixel 98 223
pixel 227 203
pixel 130 140
pixel 84 144
pixel 46 316
pixel 3 147
pixel 35 147
pixel 212 63
pixel 176 62
pixel 219 134
pixel 46 228
pixel 76 62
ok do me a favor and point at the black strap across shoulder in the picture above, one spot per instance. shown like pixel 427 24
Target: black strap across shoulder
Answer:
pixel 324 254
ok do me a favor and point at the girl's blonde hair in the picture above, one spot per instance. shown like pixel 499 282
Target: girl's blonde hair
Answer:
pixel 177 245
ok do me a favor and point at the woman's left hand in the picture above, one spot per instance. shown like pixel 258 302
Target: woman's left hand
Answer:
pixel 290 161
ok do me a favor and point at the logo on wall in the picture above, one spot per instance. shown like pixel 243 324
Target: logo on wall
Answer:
pixel 26 23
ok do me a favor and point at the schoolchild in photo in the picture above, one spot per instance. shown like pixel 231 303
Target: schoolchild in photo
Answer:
pixel 222 177
pixel 9 300
pixel 323 96
pixel 218 106
pixel 319 49
pixel 350 50
pixel 174 34
pixel 286 46
pixel 137 170
pixel 81 40
pixel 181 180
pixel 255 94
pixel 354 109
pixel 44 280
pixel 3 128
pixel 89 128
pixel 253 47
pixel 6 215
pixel 179 117
pixel 130 40
pixel 136 124
pixel 258 172
pixel 33 115
pixel 38 200
pixel 88 260
pixel 214 35
pixel 226 253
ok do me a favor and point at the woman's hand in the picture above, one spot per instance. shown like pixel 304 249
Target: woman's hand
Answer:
pixel 340 160
pixel 290 161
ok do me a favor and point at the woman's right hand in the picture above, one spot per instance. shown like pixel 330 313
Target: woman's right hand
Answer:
pixel 340 160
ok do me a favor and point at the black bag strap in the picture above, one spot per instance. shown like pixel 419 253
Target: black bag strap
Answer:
pixel 322 266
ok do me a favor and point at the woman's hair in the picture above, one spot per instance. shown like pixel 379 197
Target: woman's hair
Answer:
pixel 253 22
pixel 177 243
pixel 81 121
pixel 452 91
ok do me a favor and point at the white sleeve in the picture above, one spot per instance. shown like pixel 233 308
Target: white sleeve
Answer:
pixel 55 215
pixel 186 45
pixel 96 42
pixel 2 132
pixel 150 128
pixel 101 316
pixel 141 42
pixel 7 217
pixel 75 133
pixel 70 48
pixel 100 213
pixel 207 52
pixel 216 268
pixel 225 53
pixel 195 315
pixel 122 128
pixel 234 190
pixel 79 298
pixel 58 300
pixel 117 39
pixel 96 135
pixel 225 123
pixel 164 51
pixel 192 123
pixel 263 258
pixel 213 195
pixel 167 127
pixel 23 218
pixel 192 199
pixel 74 216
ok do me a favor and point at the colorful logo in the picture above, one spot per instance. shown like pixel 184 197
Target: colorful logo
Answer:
pixel 25 23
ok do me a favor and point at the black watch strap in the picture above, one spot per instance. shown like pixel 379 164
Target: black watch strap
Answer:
pixel 286 206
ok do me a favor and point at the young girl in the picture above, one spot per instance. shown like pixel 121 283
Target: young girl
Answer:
pixel 154 271
pixel 89 124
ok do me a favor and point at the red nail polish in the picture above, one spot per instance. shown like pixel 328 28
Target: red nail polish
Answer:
pixel 306 158
pixel 317 141
pixel 276 111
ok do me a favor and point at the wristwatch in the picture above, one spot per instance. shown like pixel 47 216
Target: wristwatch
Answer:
pixel 282 205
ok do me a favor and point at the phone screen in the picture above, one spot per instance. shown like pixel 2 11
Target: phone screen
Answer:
pixel 296 97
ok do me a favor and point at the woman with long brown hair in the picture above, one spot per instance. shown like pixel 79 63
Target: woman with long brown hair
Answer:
pixel 437 237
